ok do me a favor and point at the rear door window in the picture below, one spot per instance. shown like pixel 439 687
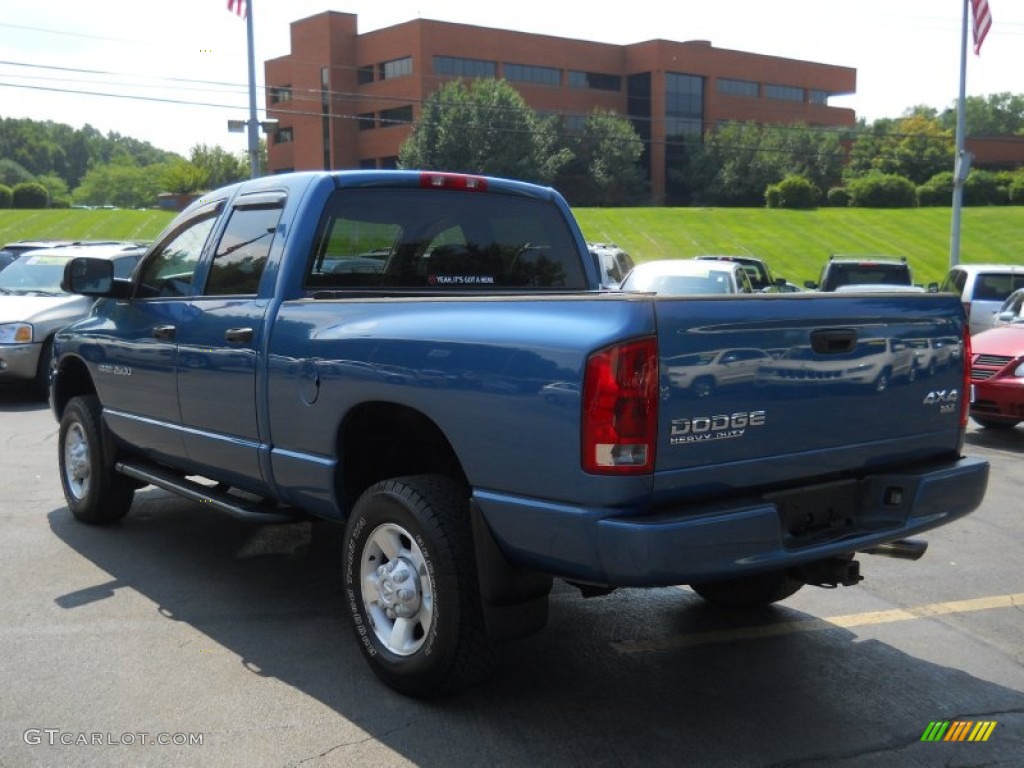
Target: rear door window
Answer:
pixel 242 252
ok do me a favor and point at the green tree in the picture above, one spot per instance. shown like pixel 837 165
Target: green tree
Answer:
pixel 605 166
pixel 6 196
pixel 181 176
pixel 222 168
pixel 916 147
pixel 55 186
pixel 123 183
pixel 998 114
pixel 12 172
pixel 740 161
pixel 485 127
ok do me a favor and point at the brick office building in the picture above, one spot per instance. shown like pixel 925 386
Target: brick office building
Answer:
pixel 348 100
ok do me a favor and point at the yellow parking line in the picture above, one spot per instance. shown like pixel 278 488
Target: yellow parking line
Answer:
pixel 814 625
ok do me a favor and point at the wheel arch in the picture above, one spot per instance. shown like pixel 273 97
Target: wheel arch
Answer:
pixel 72 379
pixel 382 440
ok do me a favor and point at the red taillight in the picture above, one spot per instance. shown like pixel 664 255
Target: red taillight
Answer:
pixel 965 399
pixel 431 180
pixel 620 408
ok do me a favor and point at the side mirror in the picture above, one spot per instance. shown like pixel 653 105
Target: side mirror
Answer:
pixel 933 287
pixel 810 284
pixel 89 276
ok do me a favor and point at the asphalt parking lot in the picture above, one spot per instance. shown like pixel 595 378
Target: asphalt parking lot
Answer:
pixel 186 637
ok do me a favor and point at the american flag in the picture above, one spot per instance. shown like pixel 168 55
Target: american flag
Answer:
pixel 982 22
pixel 241 7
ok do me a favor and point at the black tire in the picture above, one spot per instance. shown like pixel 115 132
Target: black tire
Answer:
pixel 995 424
pixel 749 591
pixel 409 550
pixel 41 383
pixel 94 493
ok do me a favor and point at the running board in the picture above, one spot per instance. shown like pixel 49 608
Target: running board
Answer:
pixel 252 511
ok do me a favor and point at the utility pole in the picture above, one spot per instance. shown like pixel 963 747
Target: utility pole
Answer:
pixel 254 125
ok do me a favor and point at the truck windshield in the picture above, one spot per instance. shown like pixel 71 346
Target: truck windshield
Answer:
pixel 439 239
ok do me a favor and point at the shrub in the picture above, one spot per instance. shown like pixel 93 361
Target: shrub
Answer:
pixel 1016 190
pixel 839 197
pixel 983 188
pixel 798 192
pixel 30 194
pixel 938 190
pixel 882 190
pixel 772 196
pixel 6 195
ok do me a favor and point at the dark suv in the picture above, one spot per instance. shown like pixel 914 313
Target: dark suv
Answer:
pixel 862 270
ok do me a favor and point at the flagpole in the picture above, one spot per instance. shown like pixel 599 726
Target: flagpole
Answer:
pixel 253 124
pixel 962 161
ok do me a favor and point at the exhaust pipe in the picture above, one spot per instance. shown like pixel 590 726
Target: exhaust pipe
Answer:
pixel 904 549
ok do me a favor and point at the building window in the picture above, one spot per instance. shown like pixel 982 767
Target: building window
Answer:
pixel 784 92
pixel 365 75
pixel 817 97
pixel 728 87
pixel 684 105
pixel 280 93
pixel 526 73
pixel 395 116
pixel 595 81
pixel 395 68
pixel 367 121
pixel 284 136
pixel 457 67
pixel 368 165
pixel 389 163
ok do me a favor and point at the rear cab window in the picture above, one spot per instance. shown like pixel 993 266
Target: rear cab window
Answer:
pixel 436 240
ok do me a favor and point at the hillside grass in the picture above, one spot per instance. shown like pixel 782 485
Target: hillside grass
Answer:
pixel 795 243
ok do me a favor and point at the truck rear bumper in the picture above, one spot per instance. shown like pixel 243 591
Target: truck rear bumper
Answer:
pixel 701 543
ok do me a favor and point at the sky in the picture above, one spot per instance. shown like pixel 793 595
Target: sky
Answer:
pixel 174 73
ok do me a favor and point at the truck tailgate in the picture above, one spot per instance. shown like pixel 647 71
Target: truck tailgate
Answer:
pixel 760 392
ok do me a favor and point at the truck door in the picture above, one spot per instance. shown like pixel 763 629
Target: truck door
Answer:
pixel 218 345
pixel 141 356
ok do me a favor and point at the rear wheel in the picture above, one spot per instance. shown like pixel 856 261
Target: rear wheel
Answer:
pixel 411 585
pixel 94 493
pixel 749 591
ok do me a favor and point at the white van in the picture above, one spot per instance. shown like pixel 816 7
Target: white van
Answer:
pixel 983 288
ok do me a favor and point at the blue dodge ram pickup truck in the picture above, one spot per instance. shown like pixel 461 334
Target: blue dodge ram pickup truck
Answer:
pixel 427 358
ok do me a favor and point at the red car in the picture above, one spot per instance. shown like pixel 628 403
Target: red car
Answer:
pixel 997 373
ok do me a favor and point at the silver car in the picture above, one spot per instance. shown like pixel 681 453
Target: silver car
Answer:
pixel 33 307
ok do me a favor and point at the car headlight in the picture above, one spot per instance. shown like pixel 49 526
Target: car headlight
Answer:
pixel 15 333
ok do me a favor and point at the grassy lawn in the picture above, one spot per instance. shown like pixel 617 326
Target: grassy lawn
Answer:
pixel 795 243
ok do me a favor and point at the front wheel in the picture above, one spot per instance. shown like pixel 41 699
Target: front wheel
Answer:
pixel 411 585
pixel 749 591
pixel 94 493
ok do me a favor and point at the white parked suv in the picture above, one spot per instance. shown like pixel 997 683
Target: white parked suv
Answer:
pixel 983 288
